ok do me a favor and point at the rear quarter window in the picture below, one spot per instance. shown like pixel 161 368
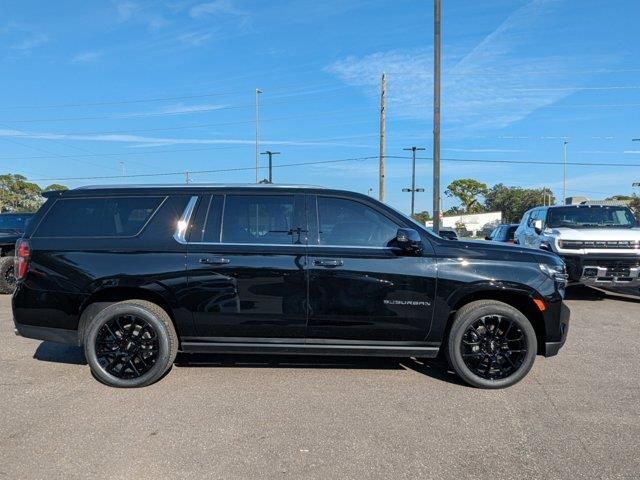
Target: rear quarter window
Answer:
pixel 98 217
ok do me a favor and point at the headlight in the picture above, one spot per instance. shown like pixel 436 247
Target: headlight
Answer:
pixel 557 272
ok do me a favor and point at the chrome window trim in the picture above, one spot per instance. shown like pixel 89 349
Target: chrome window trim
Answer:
pixel 180 235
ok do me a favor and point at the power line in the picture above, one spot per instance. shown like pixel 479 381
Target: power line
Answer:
pixel 284 88
pixel 220 170
pixel 319 162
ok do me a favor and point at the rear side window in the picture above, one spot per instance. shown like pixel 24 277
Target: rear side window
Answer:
pixel 266 219
pixel 98 217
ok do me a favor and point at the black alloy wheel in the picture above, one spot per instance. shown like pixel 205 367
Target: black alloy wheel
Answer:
pixel 491 344
pixel 130 344
pixel 127 346
pixel 494 347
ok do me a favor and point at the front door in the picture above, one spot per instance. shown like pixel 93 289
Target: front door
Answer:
pixel 359 288
pixel 246 261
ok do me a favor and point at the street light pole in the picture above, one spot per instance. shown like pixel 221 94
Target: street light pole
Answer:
pixel 258 92
pixel 270 154
pixel 564 174
pixel 413 188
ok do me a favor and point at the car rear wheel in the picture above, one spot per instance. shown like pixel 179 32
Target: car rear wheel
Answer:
pixel 7 275
pixel 491 344
pixel 130 344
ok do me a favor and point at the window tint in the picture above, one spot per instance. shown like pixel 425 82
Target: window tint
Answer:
pixel 206 224
pixel 98 217
pixel 258 219
pixel 346 222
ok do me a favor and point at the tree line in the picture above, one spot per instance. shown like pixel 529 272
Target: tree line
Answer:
pixel 19 195
pixel 513 202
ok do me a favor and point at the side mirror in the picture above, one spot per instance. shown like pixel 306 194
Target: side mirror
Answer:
pixel 537 226
pixel 409 241
pixel 487 237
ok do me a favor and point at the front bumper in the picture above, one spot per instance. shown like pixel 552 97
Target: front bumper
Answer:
pixel 604 271
pixel 552 348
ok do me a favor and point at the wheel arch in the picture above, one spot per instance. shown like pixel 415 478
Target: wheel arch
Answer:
pixel 104 297
pixel 519 298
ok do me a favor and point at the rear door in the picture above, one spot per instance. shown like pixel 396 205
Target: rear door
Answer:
pixel 359 288
pixel 246 262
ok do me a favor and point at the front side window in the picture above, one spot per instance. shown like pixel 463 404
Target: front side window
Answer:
pixel 264 219
pixel 345 222
pixel 98 217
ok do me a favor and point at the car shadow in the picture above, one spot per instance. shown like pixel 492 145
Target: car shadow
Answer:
pixel 433 368
pixel 60 353
pixel 582 292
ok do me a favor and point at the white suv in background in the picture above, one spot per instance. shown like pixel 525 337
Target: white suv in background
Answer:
pixel 599 244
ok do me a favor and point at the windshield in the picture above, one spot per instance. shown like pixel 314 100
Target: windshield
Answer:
pixel 13 222
pixel 591 217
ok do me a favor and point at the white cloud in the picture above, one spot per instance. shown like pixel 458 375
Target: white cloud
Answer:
pixel 216 7
pixel 144 141
pixel 180 108
pixel 33 40
pixel 125 10
pixel 195 39
pixel 86 57
pixel 636 152
pixel 494 85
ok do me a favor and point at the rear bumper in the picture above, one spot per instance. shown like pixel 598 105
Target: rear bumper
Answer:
pixel 553 347
pixel 48 334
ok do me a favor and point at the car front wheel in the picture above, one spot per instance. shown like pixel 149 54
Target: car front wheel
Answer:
pixel 491 344
pixel 130 344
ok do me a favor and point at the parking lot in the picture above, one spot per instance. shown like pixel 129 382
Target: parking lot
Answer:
pixel 575 416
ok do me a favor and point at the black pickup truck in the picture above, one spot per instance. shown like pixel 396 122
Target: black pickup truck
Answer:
pixel 12 227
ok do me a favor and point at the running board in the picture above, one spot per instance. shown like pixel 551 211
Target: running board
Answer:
pixel 310 349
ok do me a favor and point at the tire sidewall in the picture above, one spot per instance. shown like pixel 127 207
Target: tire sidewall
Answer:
pixel 6 263
pixel 459 328
pixel 162 362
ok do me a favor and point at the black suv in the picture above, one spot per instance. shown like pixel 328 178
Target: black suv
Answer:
pixel 136 274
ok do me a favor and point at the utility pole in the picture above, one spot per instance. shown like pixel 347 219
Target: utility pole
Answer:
pixel 271 154
pixel 258 92
pixel 413 188
pixel 436 115
pixel 383 114
pixel 564 174
pixel 187 180
pixel 122 168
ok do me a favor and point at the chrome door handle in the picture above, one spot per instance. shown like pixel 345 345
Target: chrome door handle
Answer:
pixel 215 261
pixel 328 262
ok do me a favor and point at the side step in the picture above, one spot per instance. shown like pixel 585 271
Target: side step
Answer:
pixel 310 349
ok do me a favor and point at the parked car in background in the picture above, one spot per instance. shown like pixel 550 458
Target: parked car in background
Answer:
pixel 600 244
pixel 135 274
pixel 503 233
pixel 448 234
pixel 12 227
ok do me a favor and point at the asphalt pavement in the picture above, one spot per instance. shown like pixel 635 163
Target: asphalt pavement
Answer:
pixel 575 416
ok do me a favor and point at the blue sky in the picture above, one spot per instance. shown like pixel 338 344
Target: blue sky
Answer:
pixel 91 89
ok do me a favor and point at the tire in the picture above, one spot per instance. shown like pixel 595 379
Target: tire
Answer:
pixel 130 344
pixel 7 275
pixel 491 344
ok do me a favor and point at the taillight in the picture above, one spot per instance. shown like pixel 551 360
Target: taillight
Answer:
pixel 23 252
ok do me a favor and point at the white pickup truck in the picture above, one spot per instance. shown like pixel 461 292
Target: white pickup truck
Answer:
pixel 599 244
